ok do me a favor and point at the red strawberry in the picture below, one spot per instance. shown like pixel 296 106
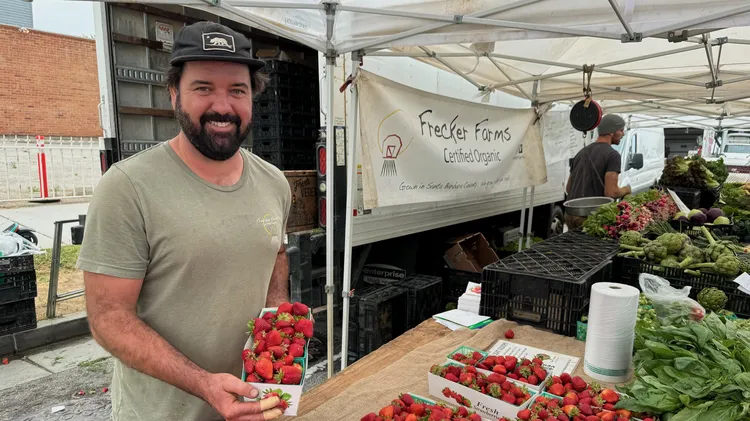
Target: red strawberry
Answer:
pixel 609 396
pixel 265 354
pixel 565 378
pixel 585 409
pixel 296 350
pixel 579 385
pixel 533 380
pixel 563 417
pixel 299 309
pixel 475 417
pixel 509 334
pixel 253 378
pixel 450 377
pixel 537 361
pixel 305 327
pixel 543 414
pixel 500 369
pixel 539 372
pixel 273 338
pixel 591 418
pixel 249 366
pixel 246 354
pixel 280 324
pixel 259 346
pixel 284 308
pixel 556 389
pixel 288 360
pixel 289 375
pixel 387 412
pixel 264 368
pixel 277 365
pixel 277 351
pixel 509 398
pixel 609 406
pixel 261 335
pixel 570 399
pixel 260 325
pixel 496 378
pixel 269 316
pixel 524 414
pixel 287 332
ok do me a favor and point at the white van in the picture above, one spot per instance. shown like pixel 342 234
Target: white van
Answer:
pixel 642 151
pixel 736 152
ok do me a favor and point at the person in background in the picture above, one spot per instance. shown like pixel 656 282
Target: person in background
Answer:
pixel 183 245
pixel 596 168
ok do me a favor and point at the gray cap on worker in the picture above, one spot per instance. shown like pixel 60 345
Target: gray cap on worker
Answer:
pixel 611 123
pixel 211 41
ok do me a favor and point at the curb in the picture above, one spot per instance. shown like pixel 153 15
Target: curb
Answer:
pixel 47 332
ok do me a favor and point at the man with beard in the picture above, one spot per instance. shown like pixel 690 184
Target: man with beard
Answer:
pixel 596 168
pixel 184 245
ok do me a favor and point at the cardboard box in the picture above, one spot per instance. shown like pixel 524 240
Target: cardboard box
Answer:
pixel 291 393
pixel 303 214
pixel 471 253
pixel 486 406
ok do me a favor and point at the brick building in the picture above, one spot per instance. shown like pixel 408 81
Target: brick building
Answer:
pixel 48 84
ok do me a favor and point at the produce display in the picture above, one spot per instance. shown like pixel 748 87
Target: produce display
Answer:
pixel 407 408
pixel 692 173
pixel 735 203
pixel 496 385
pixel 633 213
pixel 698 217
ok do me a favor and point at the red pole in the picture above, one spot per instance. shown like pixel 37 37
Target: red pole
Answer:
pixel 41 163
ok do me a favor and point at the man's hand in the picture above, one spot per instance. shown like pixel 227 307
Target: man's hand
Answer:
pixel 221 391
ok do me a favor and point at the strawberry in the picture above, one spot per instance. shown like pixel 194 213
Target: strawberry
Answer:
pixel 369 417
pixel 417 409
pixel 269 316
pixel 475 417
pixel 273 338
pixel 277 365
pixel 556 389
pixel 609 396
pixel 284 308
pixel 299 309
pixel 608 407
pixel 533 380
pixel 606 416
pixel 264 368
pixel 296 350
pixel 509 398
pixel 579 385
pixel 305 327
pixel 288 360
pixel 563 417
pixel 411 417
pixel 509 334
pixel 623 413
pixel 585 409
pixel 299 341
pixel 538 361
pixel 539 372
pixel 387 412
pixel 249 366
pixel 500 369
pixel 259 325
pixel 524 414
pixel 281 324
pixel 247 354
pixel 591 418
pixel 289 375
pixel 451 377
pixel 570 399
pixel 565 378
pixel 265 354
pixel 259 346
pixel 277 351
pixel 253 378
pixel 287 333
pixel 496 378
pixel 261 335
pixel 571 410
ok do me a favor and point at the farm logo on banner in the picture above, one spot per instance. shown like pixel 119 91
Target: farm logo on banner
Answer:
pixel 422 147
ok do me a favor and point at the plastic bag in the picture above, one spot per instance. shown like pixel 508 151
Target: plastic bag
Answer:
pixel 672 306
pixel 12 244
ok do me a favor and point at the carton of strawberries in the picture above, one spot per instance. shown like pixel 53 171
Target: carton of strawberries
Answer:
pixel 275 355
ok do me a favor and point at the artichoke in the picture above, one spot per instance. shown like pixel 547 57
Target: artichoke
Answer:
pixel 674 242
pixel 693 253
pixel 655 251
pixel 670 262
pixel 727 265
pixel 632 238
pixel 715 251
pixel 712 299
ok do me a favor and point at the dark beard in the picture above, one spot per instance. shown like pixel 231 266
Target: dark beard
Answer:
pixel 218 147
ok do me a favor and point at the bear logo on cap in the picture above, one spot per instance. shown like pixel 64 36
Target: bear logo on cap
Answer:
pixel 218 41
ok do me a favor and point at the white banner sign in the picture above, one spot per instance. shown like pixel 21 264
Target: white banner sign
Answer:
pixel 421 147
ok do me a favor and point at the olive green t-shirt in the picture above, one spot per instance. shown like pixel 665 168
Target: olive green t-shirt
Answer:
pixel 205 254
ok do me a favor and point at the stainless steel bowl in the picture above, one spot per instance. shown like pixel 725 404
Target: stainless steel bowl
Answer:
pixel 585 206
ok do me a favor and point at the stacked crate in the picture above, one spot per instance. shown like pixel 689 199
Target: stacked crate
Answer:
pixel 286 116
pixel 17 294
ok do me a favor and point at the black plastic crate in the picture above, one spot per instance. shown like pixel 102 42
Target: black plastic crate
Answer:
pixel 630 269
pixel 279 130
pixel 16 264
pixel 454 284
pixel 284 94
pixel 279 67
pixel 425 295
pixel 279 80
pixel 382 316
pixel 690 197
pixel 354 300
pixel 289 160
pixel 17 287
pixel 544 302
pixel 304 145
pixel 266 106
pixel 286 118
pixel 17 317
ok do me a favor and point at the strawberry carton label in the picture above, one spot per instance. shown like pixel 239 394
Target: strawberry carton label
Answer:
pixel 274 359
pixel 555 364
pixel 492 397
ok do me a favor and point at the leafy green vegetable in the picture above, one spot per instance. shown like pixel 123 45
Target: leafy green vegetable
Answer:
pixel 605 215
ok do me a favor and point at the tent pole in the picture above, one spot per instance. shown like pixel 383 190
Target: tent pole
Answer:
pixel 625 24
pixel 351 187
pixel 531 217
pixel 448 65
pixel 698 21
pixel 523 220
pixel 330 151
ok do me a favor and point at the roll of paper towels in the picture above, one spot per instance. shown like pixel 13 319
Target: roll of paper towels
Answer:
pixel 613 311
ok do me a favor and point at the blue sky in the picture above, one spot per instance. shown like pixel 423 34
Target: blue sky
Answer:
pixel 64 17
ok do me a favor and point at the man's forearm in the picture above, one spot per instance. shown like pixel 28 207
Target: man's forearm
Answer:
pixel 278 288
pixel 138 346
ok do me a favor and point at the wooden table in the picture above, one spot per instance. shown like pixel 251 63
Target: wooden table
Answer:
pixel 427 331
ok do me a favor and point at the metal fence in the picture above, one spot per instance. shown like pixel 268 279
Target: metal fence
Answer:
pixel 73 167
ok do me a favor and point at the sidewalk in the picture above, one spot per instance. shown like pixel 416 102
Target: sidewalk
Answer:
pixel 42 219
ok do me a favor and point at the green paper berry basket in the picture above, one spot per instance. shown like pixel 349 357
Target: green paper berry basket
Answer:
pixel 465 350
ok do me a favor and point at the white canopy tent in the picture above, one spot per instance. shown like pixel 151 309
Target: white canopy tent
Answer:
pixel 677 62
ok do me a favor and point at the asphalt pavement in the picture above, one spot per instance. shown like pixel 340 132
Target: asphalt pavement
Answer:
pixel 42 219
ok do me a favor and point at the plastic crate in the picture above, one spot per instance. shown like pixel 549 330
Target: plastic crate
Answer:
pixel 455 282
pixel 284 94
pixel 280 130
pixel 690 197
pixel 739 303
pixel 16 264
pixel 279 67
pixel 287 118
pixel 17 317
pixel 266 106
pixel 382 316
pixel 285 144
pixel 425 297
pixel 289 160
pixel 354 301
pixel 17 287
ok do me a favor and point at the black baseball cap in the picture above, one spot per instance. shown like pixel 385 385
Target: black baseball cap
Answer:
pixel 211 41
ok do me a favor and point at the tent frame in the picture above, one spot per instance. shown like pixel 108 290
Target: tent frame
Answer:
pixel 672 33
